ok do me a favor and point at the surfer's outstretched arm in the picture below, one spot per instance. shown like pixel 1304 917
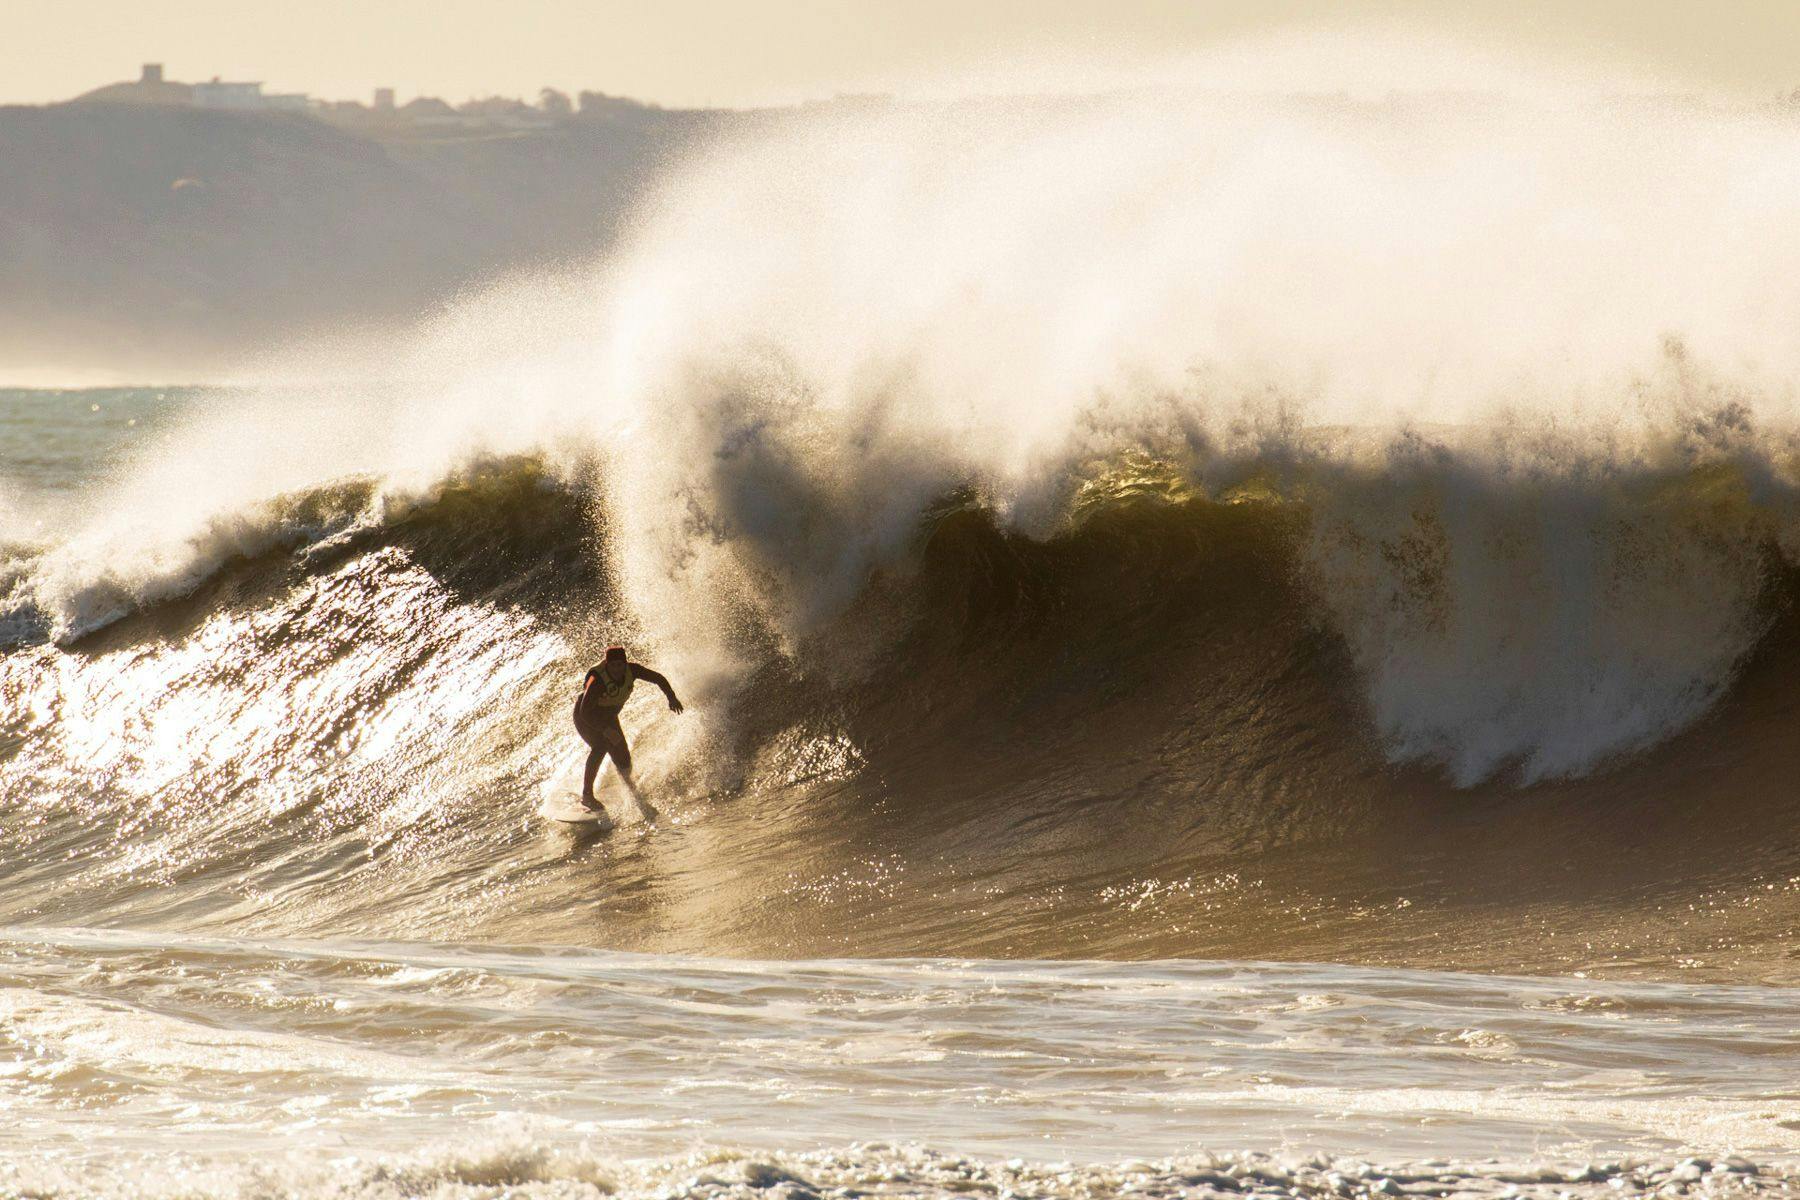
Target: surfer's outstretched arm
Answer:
pixel 649 675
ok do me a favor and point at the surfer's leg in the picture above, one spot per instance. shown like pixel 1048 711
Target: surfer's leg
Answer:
pixel 621 755
pixel 594 734
pixel 596 756
pixel 603 737
pixel 622 760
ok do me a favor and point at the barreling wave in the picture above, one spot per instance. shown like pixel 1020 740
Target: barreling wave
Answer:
pixel 1162 524
pixel 1163 726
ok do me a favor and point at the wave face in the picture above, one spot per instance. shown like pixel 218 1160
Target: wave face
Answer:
pixel 1144 735
pixel 1163 524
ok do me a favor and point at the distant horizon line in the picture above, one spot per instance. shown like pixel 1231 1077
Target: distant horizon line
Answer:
pixel 371 97
pixel 372 100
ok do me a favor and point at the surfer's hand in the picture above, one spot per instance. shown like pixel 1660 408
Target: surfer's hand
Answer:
pixel 674 705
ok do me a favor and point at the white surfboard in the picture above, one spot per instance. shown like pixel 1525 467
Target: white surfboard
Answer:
pixel 571 811
pixel 562 800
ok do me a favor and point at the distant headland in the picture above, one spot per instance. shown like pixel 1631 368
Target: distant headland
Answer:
pixel 384 111
pixel 156 229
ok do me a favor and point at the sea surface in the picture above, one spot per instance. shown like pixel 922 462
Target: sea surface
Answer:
pixel 226 972
pixel 353 1067
pixel 1229 648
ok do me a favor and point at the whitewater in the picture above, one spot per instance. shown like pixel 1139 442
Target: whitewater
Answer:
pixel 1239 635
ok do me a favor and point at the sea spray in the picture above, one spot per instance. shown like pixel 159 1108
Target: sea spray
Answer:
pixel 818 327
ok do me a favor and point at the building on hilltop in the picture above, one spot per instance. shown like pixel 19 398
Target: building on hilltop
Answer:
pixel 151 87
pixel 487 114
pixel 502 112
pixel 219 93
pixel 148 88
pixel 247 97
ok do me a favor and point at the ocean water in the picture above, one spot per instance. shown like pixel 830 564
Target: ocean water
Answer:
pixel 202 994
pixel 571 1072
pixel 1230 648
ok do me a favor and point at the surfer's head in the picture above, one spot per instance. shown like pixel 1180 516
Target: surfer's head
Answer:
pixel 615 656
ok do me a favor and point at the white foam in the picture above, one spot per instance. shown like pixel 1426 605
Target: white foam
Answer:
pixel 821 325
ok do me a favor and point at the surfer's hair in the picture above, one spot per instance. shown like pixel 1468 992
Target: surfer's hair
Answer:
pixel 615 652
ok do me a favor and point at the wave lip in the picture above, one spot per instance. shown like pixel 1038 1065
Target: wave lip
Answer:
pixel 1069 506
pixel 1219 707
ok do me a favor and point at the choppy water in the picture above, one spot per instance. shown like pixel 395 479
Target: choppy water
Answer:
pixel 1206 674
pixel 59 444
pixel 124 1049
pixel 236 1065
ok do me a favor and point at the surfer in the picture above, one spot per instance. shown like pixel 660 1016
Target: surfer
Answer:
pixel 603 693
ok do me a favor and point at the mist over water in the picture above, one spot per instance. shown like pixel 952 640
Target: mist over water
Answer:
pixel 1256 522
pixel 1498 330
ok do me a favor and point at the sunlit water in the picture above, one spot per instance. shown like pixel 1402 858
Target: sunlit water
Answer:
pixel 168 1052
pixel 993 306
pixel 60 443
pixel 144 1063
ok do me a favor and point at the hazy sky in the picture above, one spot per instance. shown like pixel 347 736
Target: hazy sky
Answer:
pixel 756 51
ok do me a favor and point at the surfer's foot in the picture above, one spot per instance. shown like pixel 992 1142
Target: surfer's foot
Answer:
pixel 592 805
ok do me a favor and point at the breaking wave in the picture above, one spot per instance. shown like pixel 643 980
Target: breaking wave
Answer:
pixel 1132 513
